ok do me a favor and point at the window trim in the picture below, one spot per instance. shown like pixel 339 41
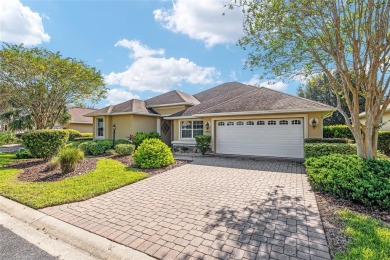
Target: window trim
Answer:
pixel 97 128
pixel 192 129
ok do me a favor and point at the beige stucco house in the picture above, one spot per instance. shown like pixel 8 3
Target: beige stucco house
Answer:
pixel 241 119
pixel 78 121
pixel 385 120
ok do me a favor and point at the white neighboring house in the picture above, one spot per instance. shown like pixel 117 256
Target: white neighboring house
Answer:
pixel 385 120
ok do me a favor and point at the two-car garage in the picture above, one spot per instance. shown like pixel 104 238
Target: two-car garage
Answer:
pixel 281 137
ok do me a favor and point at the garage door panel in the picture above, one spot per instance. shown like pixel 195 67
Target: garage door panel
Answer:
pixel 283 139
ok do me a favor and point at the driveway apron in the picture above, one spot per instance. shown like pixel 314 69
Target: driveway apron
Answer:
pixel 213 208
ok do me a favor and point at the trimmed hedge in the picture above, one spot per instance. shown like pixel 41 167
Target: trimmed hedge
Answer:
pixel 153 153
pixel 124 149
pixel 73 134
pixel 8 138
pixel 23 154
pixel 321 149
pixel 337 131
pixel 353 178
pixel 95 148
pixel 139 137
pixel 44 143
pixel 329 140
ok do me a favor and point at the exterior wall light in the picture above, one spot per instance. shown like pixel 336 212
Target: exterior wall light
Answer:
pixel 313 122
pixel 207 125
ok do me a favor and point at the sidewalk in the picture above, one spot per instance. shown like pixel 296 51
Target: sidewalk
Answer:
pixel 58 238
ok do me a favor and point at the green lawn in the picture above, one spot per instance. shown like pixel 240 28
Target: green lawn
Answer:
pixel 108 175
pixel 370 239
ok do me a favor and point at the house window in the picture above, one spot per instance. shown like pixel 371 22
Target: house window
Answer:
pixel 190 129
pixel 296 122
pixel 250 123
pixel 240 123
pixel 221 123
pixel 283 122
pixel 100 127
pixel 260 123
pixel 271 122
pixel 230 123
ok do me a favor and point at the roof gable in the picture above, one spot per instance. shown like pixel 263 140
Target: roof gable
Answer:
pixel 171 98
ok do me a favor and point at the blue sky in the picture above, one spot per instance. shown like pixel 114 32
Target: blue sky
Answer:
pixel 143 48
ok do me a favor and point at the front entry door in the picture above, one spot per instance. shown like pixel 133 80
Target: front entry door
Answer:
pixel 165 131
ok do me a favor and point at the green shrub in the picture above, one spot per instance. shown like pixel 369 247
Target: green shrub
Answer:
pixel 141 136
pixel 23 154
pixel 98 147
pixel 8 138
pixel 95 148
pixel 83 147
pixel 337 131
pixel 321 149
pixel 124 149
pixel 44 143
pixel 53 164
pixel 350 177
pixel 329 140
pixel 83 139
pixel 87 135
pixel 73 134
pixel 384 142
pixel 68 158
pixel 121 141
pixel 110 152
pixel 153 153
pixel 203 143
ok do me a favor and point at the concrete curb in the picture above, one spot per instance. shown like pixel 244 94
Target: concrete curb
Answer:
pixel 95 245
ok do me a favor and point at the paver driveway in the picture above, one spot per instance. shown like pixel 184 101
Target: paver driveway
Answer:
pixel 211 208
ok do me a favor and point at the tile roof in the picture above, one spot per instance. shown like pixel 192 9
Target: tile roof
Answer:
pixel 245 98
pixel 171 97
pixel 130 106
pixel 229 97
pixel 78 113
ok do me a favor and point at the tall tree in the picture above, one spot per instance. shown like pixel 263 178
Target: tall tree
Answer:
pixel 43 83
pixel 288 37
pixel 318 88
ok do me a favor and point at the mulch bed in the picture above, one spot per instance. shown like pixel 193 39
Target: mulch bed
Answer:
pixel 328 206
pixel 35 170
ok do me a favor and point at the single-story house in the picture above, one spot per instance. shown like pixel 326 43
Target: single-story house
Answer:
pixel 78 121
pixel 385 120
pixel 241 119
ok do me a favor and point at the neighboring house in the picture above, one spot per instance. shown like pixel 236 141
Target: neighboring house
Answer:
pixel 385 120
pixel 241 119
pixel 79 122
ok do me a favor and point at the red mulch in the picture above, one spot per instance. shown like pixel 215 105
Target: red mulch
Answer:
pixel 36 170
pixel 328 205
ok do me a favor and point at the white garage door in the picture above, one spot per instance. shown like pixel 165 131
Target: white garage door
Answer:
pixel 261 137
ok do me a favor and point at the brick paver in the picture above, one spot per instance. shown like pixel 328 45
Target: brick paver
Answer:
pixel 213 208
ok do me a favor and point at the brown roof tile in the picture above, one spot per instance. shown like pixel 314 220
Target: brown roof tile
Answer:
pixel 130 106
pixel 78 114
pixel 171 97
pixel 245 98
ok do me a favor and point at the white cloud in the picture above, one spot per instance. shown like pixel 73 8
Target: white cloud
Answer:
pixel 138 50
pixel 19 24
pixel 160 74
pixel 203 20
pixel 271 84
pixel 116 96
